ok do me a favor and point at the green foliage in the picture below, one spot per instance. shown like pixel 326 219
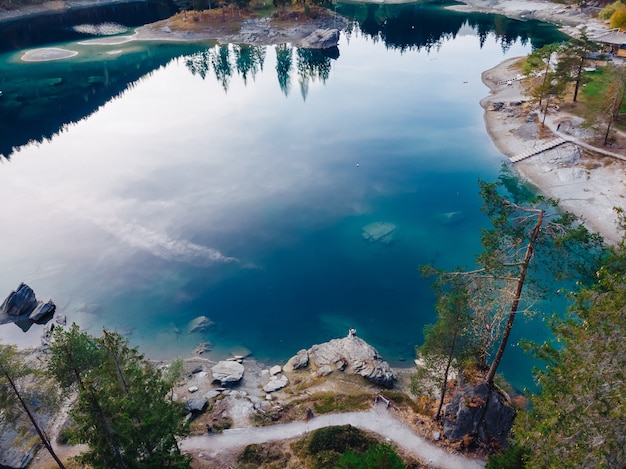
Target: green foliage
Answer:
pixel 326 403
pixel 339 439
pixel 577 420
pixel 512 457
pixel 378 456
pixel 123 412
pixel 526 244
pixel 346 447
pixel 255 456
pixel 618 18
pixel 607 11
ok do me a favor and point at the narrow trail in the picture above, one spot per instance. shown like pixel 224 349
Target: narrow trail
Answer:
pixel 379 420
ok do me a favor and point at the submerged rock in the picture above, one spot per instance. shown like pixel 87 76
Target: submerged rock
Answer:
pixel 379 232
pixel 200 324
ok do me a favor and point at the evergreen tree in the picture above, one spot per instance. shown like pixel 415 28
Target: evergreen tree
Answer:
pixel 521 233
pixel 577 420
pixel 447 341
pixel 123 412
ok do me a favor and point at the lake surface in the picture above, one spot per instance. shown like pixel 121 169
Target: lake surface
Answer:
pixel 146 184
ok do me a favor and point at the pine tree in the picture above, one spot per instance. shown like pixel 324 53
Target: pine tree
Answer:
pixel 123 412
pixel 577 420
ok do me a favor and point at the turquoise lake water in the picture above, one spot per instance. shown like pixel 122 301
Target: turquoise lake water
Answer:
pixel 147 184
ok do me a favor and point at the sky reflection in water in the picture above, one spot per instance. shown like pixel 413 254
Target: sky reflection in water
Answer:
pixel 181 199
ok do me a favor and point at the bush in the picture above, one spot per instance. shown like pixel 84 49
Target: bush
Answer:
pixel 618 19
pixel 379 456
pixel 608 10
pixel 512 457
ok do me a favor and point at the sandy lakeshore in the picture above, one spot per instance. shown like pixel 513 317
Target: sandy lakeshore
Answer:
pixel 586 183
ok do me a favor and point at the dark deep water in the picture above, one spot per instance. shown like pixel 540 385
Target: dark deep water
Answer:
pixel 146 184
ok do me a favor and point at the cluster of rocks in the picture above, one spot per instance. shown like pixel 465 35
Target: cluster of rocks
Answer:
pixel 350 354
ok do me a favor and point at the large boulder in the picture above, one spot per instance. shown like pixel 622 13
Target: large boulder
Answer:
pixel 299 360
pixel 321 39
pixel 276 383
pixel 352 355
pixel 43 310
pixel 19 302
pixel 196 405
pixel 478 411
pixel 227 372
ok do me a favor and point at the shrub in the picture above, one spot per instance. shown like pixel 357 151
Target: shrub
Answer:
pixel 379 456
pixel 608 10
pixel 618 19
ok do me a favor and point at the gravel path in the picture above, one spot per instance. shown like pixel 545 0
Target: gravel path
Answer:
pixel 378 420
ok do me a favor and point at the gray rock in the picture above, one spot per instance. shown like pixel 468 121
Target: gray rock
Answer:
pixel 212 394
pixel 276 384
pixel 353 355
pixel 19 302
pixel 324 370
pixel 15 453
pixel 196 404
pixel 299 360
pixel 43 310
pixel 321 39
pixel 276 369
pixel 476 410
pixel 227 372
pixel 200 324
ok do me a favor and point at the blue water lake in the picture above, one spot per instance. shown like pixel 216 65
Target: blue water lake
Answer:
pixel 146 184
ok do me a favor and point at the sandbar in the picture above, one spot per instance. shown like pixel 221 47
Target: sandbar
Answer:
pixel 47 54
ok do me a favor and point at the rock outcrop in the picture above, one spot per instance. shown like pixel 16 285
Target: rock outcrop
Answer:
pixel 478 412
pixel 227 372
pixel 22 305
pixel 321 39
pixel 299 360
pixel 350 354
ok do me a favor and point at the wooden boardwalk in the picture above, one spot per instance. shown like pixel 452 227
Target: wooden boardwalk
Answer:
pixel 538 149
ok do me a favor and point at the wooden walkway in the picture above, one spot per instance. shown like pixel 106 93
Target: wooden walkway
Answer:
pixel 538 149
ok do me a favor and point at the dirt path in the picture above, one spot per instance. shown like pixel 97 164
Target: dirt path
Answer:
pixel 379 420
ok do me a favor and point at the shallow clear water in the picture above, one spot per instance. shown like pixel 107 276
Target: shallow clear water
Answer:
pixel 245 199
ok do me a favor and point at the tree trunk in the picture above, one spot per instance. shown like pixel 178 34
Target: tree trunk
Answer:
pixel 444 386
pixel 608 130
pixel 42 436
pixel 578 77
pixel 516 299
pixel 545 112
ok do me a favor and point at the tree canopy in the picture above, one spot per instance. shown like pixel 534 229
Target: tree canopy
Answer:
pixel 123 412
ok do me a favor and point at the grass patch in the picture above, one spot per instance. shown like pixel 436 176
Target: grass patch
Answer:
pixel 345 447
pixel 325 403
